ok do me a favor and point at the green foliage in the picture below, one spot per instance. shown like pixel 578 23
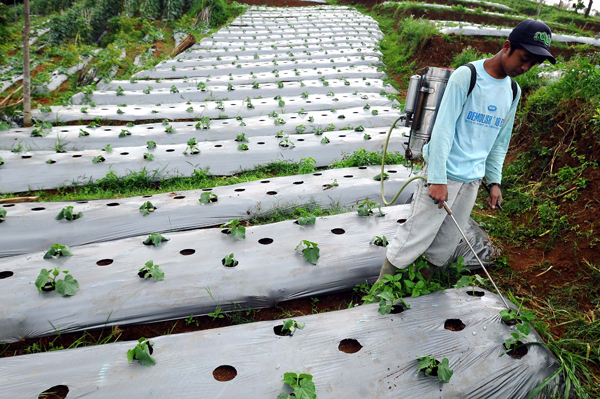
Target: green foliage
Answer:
pixel 302 384
pixel 242 138
pixel 428 364
pixel 306 165
pixel 469 54
pixel 310 251
pixel 141 353
pixel 235 229
pixel 48 280
pixel 2 210
pixel 98 159
pixel 377 177
pixel 147 207
pixel 155 239
pixel 308 219
pixel 217 314
pixel 390 290
pixel 208 197
pixel 230 261
pixel 58 251
pixel 366 208
pixel 379 241
pixel 67 213
pixel 290 326
pixel 150 270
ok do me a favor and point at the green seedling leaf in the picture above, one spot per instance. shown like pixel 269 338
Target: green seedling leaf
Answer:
pixel 58 251
pixel 208 197
pixel 67 213
pixel 108 148
pixel 152 270
pixel 309 219
pixel 42 279
pixel 310 251
pixel 155 239
pixel 444 372
pixel 230 260
pixel 148 157
pixel 147 207
pixel 378 177
pixel 141 352
pixel 83 133
pixel 242 138
pixel 69 286
pixel 151 145
pixel 237 231
pixel 4 126
pixel 2 214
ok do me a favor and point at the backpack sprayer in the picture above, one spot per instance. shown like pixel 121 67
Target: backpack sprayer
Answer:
pixel 425 92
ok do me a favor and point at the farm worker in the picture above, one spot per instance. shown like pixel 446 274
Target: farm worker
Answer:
pixel 469 141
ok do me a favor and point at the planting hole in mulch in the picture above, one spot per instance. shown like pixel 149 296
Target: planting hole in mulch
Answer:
pixel 52 161
pixel 298 182
pixel 48 287
pixel 38 209
pixel 348 176
pixel 170 150
pixel 179 197
pixel 517 353
pixel 317 174
pixel 397 308
pixel 81 202
pixel 218 145
pixel 265 241
pixel 362 167
pixel 7 205
pixel 234 264
pixel 141 275
pixel 104 262
pixel 400 221
pixel 349 346
pixel 187 252
pixel 124 153
pixel 77 156
pixel 239 190
pixel 27 156
pixel 226 231
pixel 146 196
pixel 454 325
pixel 277 331
pixel 56 392
pixel 207 189
pixel 338 231
pixel 392 171
pixel 475 293
pixel 511 322
pixel 271 192
pixel 113 204
pixel 265 181
pixel 224 373
pixel 6 274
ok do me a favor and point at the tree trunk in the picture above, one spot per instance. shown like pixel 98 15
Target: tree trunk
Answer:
pixel 587 12
pixel 539 9
pixel 188 42
pixel 26 72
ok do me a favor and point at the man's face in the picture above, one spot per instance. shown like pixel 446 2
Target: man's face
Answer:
pixel 519 62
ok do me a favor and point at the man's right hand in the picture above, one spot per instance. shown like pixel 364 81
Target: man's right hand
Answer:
pixel 438 193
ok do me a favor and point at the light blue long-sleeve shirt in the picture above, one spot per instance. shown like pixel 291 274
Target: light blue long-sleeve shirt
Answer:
pixel 471 134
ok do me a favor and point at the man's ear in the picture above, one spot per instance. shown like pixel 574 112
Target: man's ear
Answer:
pixel 506 47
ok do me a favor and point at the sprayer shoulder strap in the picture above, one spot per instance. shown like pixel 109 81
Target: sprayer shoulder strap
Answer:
pixel 513 84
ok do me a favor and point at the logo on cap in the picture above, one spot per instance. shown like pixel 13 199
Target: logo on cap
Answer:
pixel 542 37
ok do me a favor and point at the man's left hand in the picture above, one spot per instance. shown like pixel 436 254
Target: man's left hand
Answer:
pixel 495 197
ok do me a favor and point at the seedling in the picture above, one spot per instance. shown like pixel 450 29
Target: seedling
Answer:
pixel 192 145
pixel 290 326
pixel 309 219
pixel 93 125
pixel 189 109
pixel 360 128
pixel 204 123
pixel 217 314
pixel 230 87
pixel 2 214
pixel 255 85
pixel 378 177
pixel 279 121
pixel 510 316
pixel 379 241
pixel 47 281
pixel 150 145
pixel 229 261
pixel 170 130
pixel 473 280
pixel 431 366
pixel 302 385
pixel 273 114
pixel 242 138
pixel 150 270
pixel 147 207
pixel 249 104
pixel 242 147
pixel 367 106
pixel 374 112
pixel 108 148
pixel 310 251
pixel 124 133
pixel 98 159
pixel 233 227
pixel 325 140
pixel 174 89
pixel 120 112
pixel 58 251
pixel 148 90
pixel 155 239
pixel 366 208
pixel 142 352
pixel 300 129
pixel 280 134
pixel 83 133
pixel 331 185
pixel 207 197
pixel 367 136
pixel 191 320
pixel 67 213
pixel 120 91
pixel 281 103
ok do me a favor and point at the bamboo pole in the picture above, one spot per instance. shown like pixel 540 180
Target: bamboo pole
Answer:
pixel 26 70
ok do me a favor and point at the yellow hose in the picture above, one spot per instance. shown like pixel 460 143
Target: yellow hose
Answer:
pixel 383 168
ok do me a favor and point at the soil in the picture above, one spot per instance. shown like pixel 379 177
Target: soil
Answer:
pixel 56 392
pixel 349 346
pixel 520 351
pixel 224 373
pixel 454 325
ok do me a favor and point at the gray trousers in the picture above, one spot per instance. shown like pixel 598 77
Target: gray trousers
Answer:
pixel 430 231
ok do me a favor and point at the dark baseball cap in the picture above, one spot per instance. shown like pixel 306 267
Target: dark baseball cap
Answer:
pixel 534 36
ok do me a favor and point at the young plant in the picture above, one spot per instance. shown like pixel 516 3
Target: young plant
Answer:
pixel 310 251
pixel 233 227
pixel 147 207
pixel 286 143
pixel 242 147
pixel 360 128
pixel 430 366
pixel 150 270
pixel 192 145
pixel 273 114
pixel 124 133
pixel 170 130
pixel 241 138
pixel 98 159
pixel 379 241
pixel 108 148
pixel 229 261
pixel 155 239
pixel 208 197
pixel 279 121
pixel 289 327
pixel 302 385
pixel 47 281
pixel 120 91
pixel 67 213
pixel 378 176
pixel 325 140
pixel 522 320
pixel 83 133
pixel 150 145
pixel 142 352
pixel 327 186
pixel 148 156
pixel 58 251
pixel 366 208
pixel 217 314
pixel 300 129
pixel 466 281
pixel 2 214
pixel 309 219
pixel 191 320
pixel 367 136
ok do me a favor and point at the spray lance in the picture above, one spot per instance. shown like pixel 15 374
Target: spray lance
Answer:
pixel 425 92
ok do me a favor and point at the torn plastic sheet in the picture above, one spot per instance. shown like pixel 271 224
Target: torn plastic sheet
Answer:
pixel 230 109
pixel 146 93
pixel 114 294
pixel 35 170
pixel 385 365
pixel 31 227
pixel 481 30
pixel 220 129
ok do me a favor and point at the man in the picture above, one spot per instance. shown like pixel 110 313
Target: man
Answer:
pixel 469 141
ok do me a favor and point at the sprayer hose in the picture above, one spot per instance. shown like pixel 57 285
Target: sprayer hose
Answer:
pixel 383 167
